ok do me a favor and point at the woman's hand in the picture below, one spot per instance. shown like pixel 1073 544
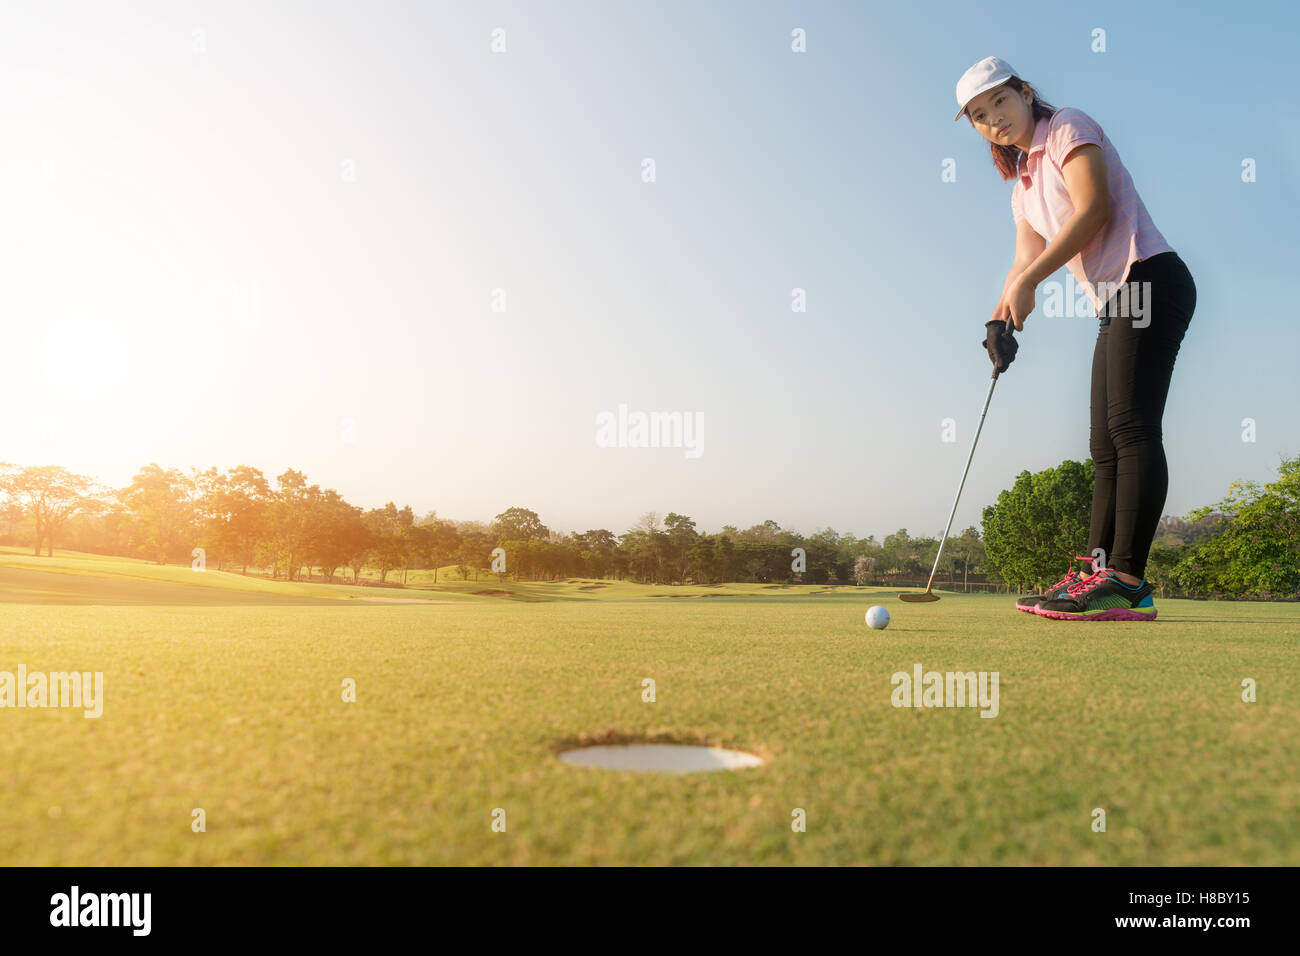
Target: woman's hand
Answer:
pixel 1019 301
pixel 1000 344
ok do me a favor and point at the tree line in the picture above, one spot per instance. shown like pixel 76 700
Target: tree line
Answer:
pixel 1246 546
pixel 294 530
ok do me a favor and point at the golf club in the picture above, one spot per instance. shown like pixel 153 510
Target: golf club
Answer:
pixel 928 596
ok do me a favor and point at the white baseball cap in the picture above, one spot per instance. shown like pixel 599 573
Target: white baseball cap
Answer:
pixel 984 75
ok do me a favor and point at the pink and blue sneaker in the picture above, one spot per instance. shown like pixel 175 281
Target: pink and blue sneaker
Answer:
pixel 1060 589
pixel 1101 597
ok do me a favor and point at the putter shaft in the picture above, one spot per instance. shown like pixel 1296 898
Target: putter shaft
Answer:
pixel 969 459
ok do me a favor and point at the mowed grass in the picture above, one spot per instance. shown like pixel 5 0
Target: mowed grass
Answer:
pixel 461 708
pixel 70 577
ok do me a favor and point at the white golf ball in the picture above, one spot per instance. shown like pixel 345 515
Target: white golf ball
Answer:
pixel 877 618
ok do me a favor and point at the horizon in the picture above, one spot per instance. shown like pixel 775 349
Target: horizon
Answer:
pixel 424 515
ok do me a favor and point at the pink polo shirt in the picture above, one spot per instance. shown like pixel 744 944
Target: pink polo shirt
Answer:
pixel 1041 198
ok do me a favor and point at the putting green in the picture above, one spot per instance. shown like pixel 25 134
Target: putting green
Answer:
pixel 462 710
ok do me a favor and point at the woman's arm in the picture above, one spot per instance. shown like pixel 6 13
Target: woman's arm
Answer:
pixel 1029 246
pixel 1085 178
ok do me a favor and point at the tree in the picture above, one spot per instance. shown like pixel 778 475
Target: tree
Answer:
pixel 1257 550
pixel 11 516
pixel 766 532
pixel 473 552
pixel 597 549
pixel 441 541
pixel 388 549
pixel 524 558
pixel 1162 564
pixel 724 558
pixel 50 495
pixel 162 503
pixel 519 524
pixel 1034 529
pixel 337 533
pixel 963 553
pixel 703 559
pixel 681 537
pixel 235 504
pixel 900 553
pixel 645 549
pixel 413 545
pixel 287 534
pixel 361 539
pixel 822 549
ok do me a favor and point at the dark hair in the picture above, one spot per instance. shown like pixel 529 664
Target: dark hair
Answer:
pixel 1005 157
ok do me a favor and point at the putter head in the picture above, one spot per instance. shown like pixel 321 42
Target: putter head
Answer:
pixel 923 598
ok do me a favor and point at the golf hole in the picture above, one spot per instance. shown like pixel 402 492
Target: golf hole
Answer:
pixel 664 758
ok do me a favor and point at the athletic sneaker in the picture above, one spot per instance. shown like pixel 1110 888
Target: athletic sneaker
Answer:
pixel 1059 589
pixel 1102 597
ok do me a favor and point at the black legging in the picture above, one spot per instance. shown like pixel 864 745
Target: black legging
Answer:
pixel 1130 381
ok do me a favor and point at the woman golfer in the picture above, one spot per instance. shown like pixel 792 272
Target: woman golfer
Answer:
pixel 1072 191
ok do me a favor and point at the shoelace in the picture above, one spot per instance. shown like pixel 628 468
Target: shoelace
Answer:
pixel 1074 575
pixel 1087 584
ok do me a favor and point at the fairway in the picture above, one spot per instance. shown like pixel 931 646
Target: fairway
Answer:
pixel 235 707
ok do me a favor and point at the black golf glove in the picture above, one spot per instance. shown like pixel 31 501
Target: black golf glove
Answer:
pixel 1000 343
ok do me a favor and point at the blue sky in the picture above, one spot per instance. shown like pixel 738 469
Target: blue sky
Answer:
pixel 270 234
